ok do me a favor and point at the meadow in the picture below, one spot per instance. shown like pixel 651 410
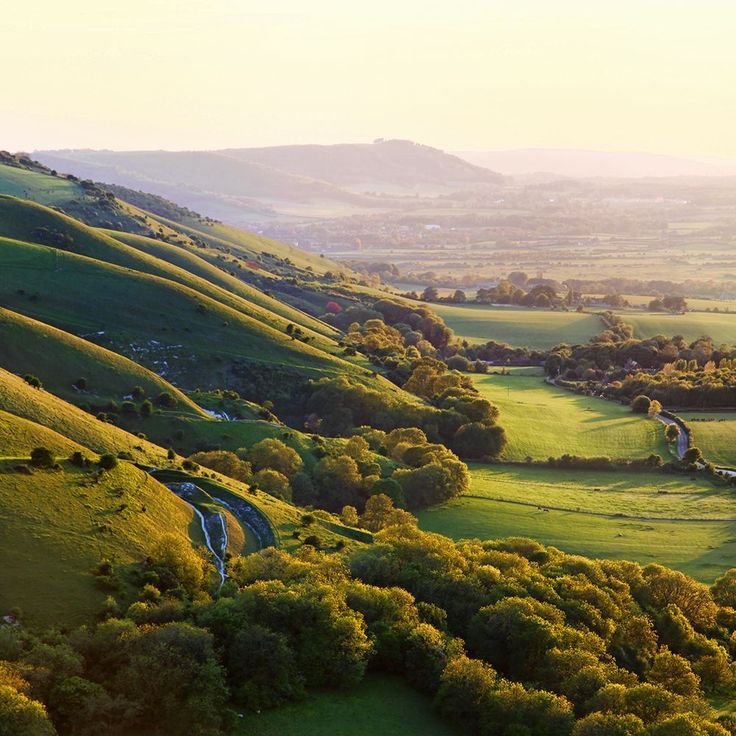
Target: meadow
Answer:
pixel 716 438
pixel 691 325
pixel 645 517
pixel 532 328
pixel 380 704
pixel 543 421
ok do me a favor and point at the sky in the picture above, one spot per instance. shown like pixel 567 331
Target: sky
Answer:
pixel 634 75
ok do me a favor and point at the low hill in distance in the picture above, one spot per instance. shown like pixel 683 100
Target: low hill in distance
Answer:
pixel 257 184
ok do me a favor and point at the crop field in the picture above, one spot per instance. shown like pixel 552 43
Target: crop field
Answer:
pixel 381 704
pixel 532 328
pixel 645 517
pixel 543 421
pixel 715 434
pixel 691 325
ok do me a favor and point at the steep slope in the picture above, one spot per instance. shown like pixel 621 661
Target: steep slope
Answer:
pixel 60 359
pixel 212 266
pixel 169 328
pixel 57 525
pixel 34 223
pixel 43 408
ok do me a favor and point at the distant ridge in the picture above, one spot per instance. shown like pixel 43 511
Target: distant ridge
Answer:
pixel 252 184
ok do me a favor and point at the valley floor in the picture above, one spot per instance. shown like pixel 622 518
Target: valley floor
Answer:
pixel 689 524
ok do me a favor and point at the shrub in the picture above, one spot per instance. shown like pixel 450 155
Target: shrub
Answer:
pixel 32 380
pixel 166 399
pixel 42 457
pixel 108 461
pixel 640 405
pixel 146 408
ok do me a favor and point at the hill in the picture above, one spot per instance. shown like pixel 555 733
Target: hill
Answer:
pixel 60 359
pixel 246 184
pixel 57 525
pixel 381 166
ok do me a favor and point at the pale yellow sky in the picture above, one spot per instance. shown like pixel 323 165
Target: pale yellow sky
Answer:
pixel 645 75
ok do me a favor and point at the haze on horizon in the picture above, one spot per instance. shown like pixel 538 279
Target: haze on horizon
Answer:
pixel 637 75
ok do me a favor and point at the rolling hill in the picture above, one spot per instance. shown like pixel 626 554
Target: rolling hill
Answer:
pixel 251 184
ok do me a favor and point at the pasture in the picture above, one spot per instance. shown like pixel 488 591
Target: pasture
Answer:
pixel 715 434
pixel 691 325
pixel 645 517
pixel 533 328
pixel 543 421
pixel 380 704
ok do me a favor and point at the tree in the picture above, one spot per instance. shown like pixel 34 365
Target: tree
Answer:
pixel 227 463
pixel 692 455
pixel 672 432
pixel 479 441
pixel 673 672
pixel 262 669
pixel 654 408
pixel 640 405
pixel 349 516
pixel 166 399
pixel 274 483
pixel 108 461
pixel 430 294
pixel 146 408
pixel 21 716
pixel 724 589
pixel 274 454
pixel 380 513
pixel 177 564
pixel 32 380
pixel 42 457
pixel 609 724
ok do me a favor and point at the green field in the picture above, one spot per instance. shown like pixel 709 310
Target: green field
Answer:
pixel 716 438
pixel 543 421
pixel 381 704
pixel 532 328
pixel 646 517
pixel 691 325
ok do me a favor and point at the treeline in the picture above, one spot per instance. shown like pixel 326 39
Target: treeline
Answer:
pixel 508 636
pixel 402 465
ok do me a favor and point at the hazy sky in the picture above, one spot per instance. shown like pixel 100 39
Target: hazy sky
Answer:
pixel 654 75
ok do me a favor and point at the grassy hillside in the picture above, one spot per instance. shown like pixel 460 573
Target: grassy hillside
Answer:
pixel 647 517
pixel 543 421
pixel 42 407
pixel 30 222
pixel 532 328
pixel 691 325
pixel 213 267
pixel 169 328
pixel 56 525
pixel 59 359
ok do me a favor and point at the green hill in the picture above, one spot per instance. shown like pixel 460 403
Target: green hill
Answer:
pixel 42 407
pixel 60 359
pixel 56 525
pixel 179 333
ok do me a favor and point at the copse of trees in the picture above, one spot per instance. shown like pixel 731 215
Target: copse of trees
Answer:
pixel 508 637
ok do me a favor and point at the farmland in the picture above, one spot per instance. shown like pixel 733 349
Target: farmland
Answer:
pixel 715 434
pixel 532 328
pixel 543 421
pixel 691 325
pixel 647 517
